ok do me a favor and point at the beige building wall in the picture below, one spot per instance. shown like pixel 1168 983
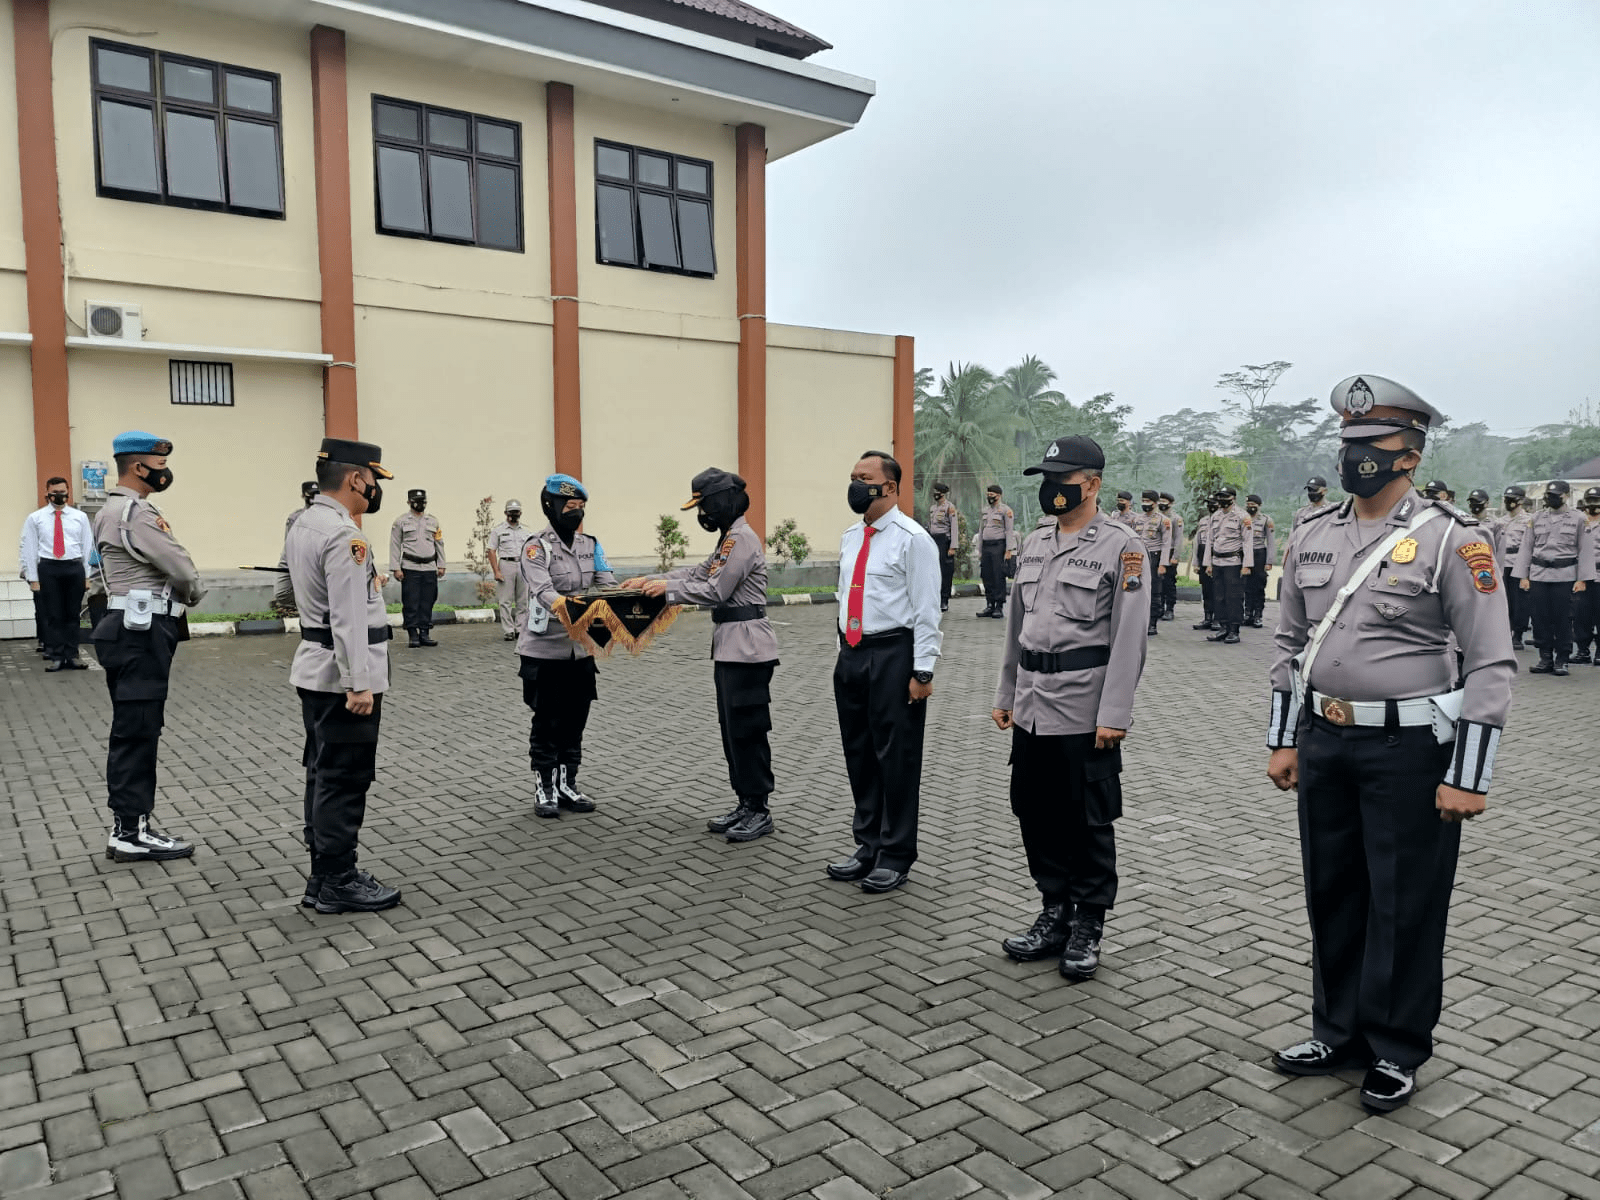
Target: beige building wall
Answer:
pixel 830 395
pixel 656 411
pixel 19 494
pixel 11 259
pixel 461 407
pixel 237 471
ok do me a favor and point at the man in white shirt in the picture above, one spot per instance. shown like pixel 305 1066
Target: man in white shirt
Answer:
pixel 56 544
pixel 888 643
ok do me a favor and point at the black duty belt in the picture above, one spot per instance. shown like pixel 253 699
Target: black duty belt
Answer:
pixel 1081 659
pixel 409 557
pixel 877 639
pixel 1555 563
pixel 323 636
pixel 738 612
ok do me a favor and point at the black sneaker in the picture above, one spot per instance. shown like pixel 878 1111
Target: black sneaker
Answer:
pixel 1208 623
pixel 757 823
pixel 1516 642
pixel 1543 667
pixel 1582 656
pixel 1081 956
pixel 567 793
pixel 313 888
pixel 1387 1086
pixel 1045 938
pixel 1316 1057
pixel 1231 638
pixel 728 820
pixel 141 841
pixel 544 798
pixel 1560 668
pixel 355 891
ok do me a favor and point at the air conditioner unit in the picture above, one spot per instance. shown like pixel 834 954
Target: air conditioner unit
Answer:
pixel 113 322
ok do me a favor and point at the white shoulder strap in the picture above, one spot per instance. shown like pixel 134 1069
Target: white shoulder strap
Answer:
pixel 1368 565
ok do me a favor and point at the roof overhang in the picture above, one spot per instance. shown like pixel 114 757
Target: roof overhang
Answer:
pixel 602 51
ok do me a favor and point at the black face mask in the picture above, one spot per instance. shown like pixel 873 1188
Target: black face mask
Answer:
pixel 993 499
pixel 373 494
pixel 1477 506
pixel 1315 494
pixel 1122 506
pixel 1164 507
pixel 861 495
pixel 1252 509
pixel 1512 502
pixel 1148 507
pixel 418 505
pixel 720 510
pixel 158 480
pixel 1365 471
pixel 59 499
pixel 1554 499
pixel 1224 501
pixel 568 522
pixel 1591 509
pixel 1058 499
pixel 514 516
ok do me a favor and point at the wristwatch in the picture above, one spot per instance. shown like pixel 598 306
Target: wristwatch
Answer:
pixel 922 676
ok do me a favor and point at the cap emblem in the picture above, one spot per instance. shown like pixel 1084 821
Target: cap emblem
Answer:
pixel 1358 401
pixel 1054 451
pixel 568 490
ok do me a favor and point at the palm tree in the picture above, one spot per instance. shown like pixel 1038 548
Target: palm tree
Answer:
pixel 964 434
pixel 1025 394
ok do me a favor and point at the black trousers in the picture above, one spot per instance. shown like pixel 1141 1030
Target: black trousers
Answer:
pixel 1586 617
pixel 1208 588
pixel 992 570
pixel 1552 618
pixel 744 714
pixel 418 591
pixel 60 593
pixel 38 615
pixel 1255 583
pixel 1227 589
pixel 1169 586
pixel 1065 795
pixel 341 760
pixel 882 735
pixel 138 663
pixel 1379 865
pixel 559 691
pixel 1518 603
pixel 947 567
pixel 1153 582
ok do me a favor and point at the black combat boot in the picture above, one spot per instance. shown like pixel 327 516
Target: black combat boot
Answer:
pixel 567 793
pixel 1231 638
pixel 1544 666
pixel 134 839
pixel 1516 642
pixel 1223 632
pixel 756 822
pixel 1208 623
pixel 423 638
pixel 1153 631
pixel 416 639
pixel 1045 938
pixel 1255 618
pixel 355 891
pixel 1081 957
pixel 545 803
pixel 1560 668
pixel 1582 656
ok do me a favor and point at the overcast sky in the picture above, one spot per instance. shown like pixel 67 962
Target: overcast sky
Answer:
pixel 1147 193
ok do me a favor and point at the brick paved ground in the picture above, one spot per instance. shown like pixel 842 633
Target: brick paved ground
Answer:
pixel 624 1005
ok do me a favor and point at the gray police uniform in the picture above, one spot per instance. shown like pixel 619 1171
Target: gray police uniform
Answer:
pixel 1208 586
pixel 139 552
pixel 558 675
pixel 1075 647
pixel 283 602
pixel 511 592
pixel 416 548
pixel 1155 531
pixel 1378 862
pixel 944 525
pixel 1507 532
pixel 744 652
pixel 1304 513
pixel 1586 604
pixel 1553 556
pixel 1227 537
pixel 344 647
pixel 1264 552
pixel 994 531
pixel 1169 577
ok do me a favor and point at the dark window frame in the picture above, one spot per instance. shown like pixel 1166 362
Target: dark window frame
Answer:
pixel 675 195
pixel 159 104
pixel 182 376
pixel 474 156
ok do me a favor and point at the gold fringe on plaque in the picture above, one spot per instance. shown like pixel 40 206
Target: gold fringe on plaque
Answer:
pixel 629 619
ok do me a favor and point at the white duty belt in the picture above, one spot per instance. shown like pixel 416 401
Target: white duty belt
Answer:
pixel 162 608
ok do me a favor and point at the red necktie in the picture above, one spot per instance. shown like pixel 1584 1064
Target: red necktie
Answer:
pixel 858 589
pixel 59 546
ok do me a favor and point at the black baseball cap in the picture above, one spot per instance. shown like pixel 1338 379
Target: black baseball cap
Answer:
pixel 709 482
pixel 1149 494
pixel 1068 454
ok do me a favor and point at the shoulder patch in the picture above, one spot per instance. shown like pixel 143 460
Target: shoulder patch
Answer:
pixel 438 534
pixel 358 551
pixel 163 525
pixel 1480 562
pixel 1133 570
pixel 531 550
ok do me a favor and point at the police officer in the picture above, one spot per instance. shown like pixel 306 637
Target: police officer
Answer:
pixel 1169 567
pixel 1552 565
pixel 283 602
pixel 1387 755
pixel 1073 657
pixel 1316 501
pixel 505 552
pixel 1208 585
pixel 744 648
pixel 1155 533
pixel 1264 554
pixel 1586 604
pixel 151 580
pixel 1124 509
pixel 1478 504
pixel 1437 489
pixel 944 525
pixel 340 670
pixel 994 535
pixel 416 559
pixel 1507 532
pixel 558 675
pixel 1227 541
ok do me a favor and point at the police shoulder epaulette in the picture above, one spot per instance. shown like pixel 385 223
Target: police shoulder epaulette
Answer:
pixel 1460 518
pixel 1325 510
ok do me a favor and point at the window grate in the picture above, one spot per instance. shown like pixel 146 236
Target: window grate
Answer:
pixel 209 383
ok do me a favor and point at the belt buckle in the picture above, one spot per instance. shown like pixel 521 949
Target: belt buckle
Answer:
pixel 1336 712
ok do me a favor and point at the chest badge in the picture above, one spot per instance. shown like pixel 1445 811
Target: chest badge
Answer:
pixel 1391 612
pixel 1405 552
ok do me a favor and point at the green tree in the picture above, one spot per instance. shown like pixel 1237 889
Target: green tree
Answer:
pixel 1251 384
pixel 964 435
pixel 1203 473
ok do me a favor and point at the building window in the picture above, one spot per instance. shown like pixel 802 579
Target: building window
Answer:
pixel 186 132
pixel 201 382
pixel 652 210
pixel 447 176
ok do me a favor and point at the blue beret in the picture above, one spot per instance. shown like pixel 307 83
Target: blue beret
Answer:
pixel 137 442
pixel 565 485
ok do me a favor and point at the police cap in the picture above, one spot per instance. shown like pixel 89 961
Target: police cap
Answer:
pixel 1071 453
pixel 1516 492
pixel 513 506
pixel 565 485
pixel 1591 495
pixel 417 494
pixel 1227 489
pixel 1168 496
pixel 1478 494
pixel 1436 487
pixel 1252 498
pixel 136 441
pixel 1371 406
pixel 357 454
pixel 1149 494
pixel 1124 495
pixel 1317 483
pixel 1560 486
pixel 708 483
